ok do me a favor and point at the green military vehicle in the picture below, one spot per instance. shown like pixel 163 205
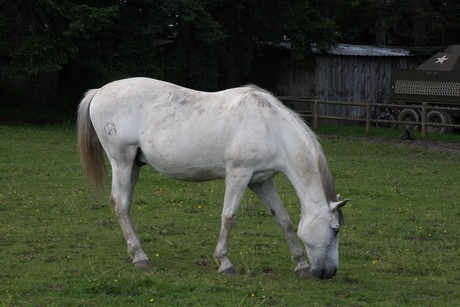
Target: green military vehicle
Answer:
pixel 437 82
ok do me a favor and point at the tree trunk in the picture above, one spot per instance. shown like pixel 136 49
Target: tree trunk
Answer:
pixel 380 31
pixel 419 32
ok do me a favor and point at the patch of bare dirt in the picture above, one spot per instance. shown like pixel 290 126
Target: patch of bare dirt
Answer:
pixel 453 148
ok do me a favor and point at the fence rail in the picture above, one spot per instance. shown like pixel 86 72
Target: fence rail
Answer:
pixel 423 109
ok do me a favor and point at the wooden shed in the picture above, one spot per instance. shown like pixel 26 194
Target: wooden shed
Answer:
pixel 353 73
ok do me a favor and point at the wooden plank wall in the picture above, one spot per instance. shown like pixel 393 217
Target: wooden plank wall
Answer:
pixel 297 80
pixel 342 78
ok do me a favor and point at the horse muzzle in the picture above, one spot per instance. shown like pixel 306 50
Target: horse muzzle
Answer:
pixel 317 273
pixel 323 273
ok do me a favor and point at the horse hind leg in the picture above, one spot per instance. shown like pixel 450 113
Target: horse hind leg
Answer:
pixel 268 194
pixel 124 178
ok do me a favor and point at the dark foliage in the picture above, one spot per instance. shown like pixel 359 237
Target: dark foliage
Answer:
pixel 51 51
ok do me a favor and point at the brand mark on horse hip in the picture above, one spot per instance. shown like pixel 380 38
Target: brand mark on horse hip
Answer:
pixel 110 129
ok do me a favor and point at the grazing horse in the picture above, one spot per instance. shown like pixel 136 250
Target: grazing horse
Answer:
pixel 243 135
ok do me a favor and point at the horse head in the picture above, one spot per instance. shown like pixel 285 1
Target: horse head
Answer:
pixel 319 231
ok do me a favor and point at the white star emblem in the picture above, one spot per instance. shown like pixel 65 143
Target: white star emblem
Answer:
pixel 441 60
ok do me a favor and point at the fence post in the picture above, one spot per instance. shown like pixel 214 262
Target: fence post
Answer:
pixel 424 130
pixel 315 114
pixel 368 116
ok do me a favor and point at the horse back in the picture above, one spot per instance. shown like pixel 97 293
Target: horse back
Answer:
pixel 183 132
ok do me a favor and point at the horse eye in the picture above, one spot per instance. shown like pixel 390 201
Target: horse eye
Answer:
pixel 336 231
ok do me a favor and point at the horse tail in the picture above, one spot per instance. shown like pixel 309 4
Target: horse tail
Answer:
pixel 90 148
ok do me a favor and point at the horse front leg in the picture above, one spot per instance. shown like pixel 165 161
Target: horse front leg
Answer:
pixel 124 179
pixel 268 194
pixel 236 183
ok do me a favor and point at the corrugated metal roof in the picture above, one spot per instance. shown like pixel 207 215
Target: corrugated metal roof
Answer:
pixel 352 50
pixel 364 50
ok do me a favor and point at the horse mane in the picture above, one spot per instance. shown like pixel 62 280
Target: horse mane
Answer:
pixel 325 172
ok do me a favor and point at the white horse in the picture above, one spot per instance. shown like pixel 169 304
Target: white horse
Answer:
pixel 243 135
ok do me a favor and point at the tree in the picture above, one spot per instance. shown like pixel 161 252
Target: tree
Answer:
pixel 38 42
pixel 118 37
pixel 43 36
pixel 215 40
pixel 414 23
pixel 206 44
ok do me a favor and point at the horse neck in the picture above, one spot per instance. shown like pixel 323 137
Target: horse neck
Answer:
pixel 309 170
pixel 311 177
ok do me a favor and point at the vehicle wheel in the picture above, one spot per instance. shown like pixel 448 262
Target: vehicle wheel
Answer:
pixel 409 115
pixel 451 119
pixel 438 117
pixel 385 117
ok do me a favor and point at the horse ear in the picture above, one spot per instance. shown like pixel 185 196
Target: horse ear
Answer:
pixel 339 204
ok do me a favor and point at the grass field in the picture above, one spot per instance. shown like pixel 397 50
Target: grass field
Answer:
pixel 60 243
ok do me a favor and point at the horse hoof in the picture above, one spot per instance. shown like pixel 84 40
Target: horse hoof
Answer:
pixel 304 273
pixel 230 271
pixel 142 263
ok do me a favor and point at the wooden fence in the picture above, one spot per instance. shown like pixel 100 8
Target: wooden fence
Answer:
pixel 314 113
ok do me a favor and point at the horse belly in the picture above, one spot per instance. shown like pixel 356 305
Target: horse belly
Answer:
pixel 183 157
pixel 209 153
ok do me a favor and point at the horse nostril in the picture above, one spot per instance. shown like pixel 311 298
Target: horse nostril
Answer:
pixel 322 273
pixel 327 274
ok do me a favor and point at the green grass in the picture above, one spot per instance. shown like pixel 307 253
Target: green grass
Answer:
pixel 60 243
pixel 385 133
